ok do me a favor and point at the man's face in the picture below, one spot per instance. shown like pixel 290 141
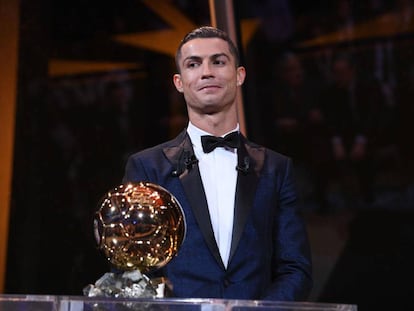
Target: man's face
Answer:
pixel 209 77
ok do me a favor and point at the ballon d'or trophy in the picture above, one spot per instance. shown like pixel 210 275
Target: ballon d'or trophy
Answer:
pixel 139 227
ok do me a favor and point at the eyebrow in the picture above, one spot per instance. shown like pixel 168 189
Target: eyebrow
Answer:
pixel 214 56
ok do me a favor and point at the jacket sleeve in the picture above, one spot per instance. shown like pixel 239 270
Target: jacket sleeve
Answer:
pixel 292 272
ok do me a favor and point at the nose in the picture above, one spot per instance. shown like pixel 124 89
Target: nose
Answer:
pixel 206 71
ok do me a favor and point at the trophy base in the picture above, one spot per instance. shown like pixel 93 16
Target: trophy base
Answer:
pixel 129 284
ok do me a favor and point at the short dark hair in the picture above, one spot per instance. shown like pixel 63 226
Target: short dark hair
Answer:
pixel 207 32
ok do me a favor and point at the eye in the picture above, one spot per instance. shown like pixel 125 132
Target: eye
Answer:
pixel 192 64
pixel 219 61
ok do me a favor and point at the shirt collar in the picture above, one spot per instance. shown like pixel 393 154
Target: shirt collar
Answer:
pixel 195 134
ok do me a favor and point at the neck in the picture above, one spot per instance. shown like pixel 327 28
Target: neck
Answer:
pixel 216 131
pixel 215 124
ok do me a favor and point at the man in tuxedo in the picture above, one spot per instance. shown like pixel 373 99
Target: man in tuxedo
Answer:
pixel 245 238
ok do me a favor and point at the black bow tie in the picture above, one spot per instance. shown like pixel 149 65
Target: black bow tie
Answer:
pixel 209 142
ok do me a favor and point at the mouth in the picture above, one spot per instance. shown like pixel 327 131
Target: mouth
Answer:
pixel 209 87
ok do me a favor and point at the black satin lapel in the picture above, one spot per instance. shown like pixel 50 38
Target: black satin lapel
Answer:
pixel 194 190
pixel 245 190
pixel 174 151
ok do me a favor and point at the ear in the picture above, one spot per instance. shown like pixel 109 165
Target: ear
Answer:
pixel 178 83
pixel 241 75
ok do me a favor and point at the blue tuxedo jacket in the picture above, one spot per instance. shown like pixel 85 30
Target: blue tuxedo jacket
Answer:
pixel 269 257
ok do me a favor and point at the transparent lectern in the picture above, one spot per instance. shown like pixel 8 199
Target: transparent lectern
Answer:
pixel 81 303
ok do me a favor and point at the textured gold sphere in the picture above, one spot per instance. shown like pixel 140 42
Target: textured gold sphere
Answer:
pixel 139 226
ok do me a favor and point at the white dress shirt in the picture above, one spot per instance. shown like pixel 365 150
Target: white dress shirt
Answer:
pixel 219 176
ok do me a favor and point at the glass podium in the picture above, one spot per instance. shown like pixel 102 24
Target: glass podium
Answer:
pixel 80 303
